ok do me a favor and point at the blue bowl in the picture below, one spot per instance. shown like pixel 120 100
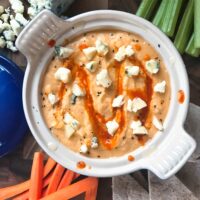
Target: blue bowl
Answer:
pixel 13 125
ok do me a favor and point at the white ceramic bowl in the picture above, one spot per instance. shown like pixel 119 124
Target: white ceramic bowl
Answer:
pixel 166 153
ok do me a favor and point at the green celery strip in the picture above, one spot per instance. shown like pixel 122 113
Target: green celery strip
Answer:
pixel 185 28
pixel 146 8
pixel 197 23
pixel 160 13
pixel 174 11
pixel 190 49
pixel 167 16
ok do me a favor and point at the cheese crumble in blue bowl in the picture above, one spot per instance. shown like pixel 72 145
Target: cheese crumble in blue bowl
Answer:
pixel 13 125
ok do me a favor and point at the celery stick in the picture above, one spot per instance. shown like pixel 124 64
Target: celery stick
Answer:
pixel 197 23
pixel 160 13
pixel 190 49
pixel 167 16
pixel 185 28
pixel 146 8
pixel 173 18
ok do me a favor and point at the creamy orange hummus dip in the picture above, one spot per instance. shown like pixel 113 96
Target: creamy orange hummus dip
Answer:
pixel 105 93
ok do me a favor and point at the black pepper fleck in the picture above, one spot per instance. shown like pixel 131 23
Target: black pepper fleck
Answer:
pixel 124 138
pixel 159 45
pixel 162 101
pixel 132 138
pixel 99 93
pixel 99 156
pixel 154 106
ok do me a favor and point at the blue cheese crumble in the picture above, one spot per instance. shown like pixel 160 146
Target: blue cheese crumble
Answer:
pixel 152 66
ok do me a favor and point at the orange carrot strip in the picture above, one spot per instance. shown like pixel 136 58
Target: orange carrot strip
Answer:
pixel 73 190
pixel 49 166
pixel 55 180
pixel 76 176
pixel 36 177
pixel 11 191
pixel 25 195
pixel 14 190
pixel 92 193
pixel 67 179
pixel 44 192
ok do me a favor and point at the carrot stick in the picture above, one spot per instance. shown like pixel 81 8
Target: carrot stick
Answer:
pixel 25 195
pixel 76 176
pixel 92 194
pixel 44 192
pixel 14 190
pixel 36 177
pixel 49 166
pixel 73 190
pixel 11 191
pixel 67 179
pixel 55 180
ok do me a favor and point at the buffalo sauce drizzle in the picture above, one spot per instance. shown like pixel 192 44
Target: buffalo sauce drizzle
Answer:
pixel 81 165
pixel 181 96
pixel 145 94
pixel 51 43
pixel 131 158
pixel 96 119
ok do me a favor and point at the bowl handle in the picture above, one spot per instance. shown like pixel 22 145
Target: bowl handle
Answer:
pixel 172 155
pixel 33 40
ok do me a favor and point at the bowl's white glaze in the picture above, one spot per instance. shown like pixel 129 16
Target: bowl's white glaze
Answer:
pixel 165 153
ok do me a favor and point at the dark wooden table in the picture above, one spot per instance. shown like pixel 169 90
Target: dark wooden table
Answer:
pixel 80 6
